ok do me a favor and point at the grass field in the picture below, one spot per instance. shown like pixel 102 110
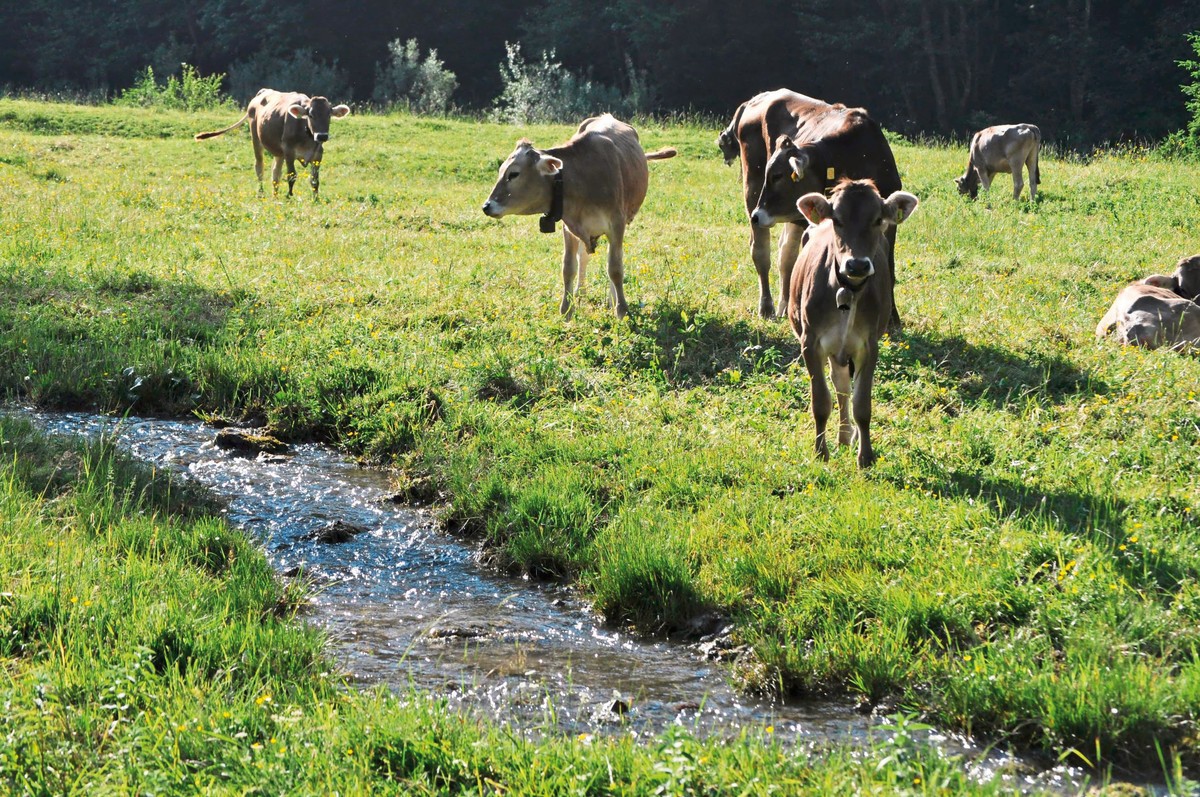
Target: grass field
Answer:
pixel 1022 562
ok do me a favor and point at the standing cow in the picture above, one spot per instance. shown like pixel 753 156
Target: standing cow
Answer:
pixel 1003 148
pixel 791 145
pixel 290 126
pixel 841 301
pixel 594 184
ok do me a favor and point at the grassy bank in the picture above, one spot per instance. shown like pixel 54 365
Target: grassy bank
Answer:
pixel 1023 560
pixel 147 648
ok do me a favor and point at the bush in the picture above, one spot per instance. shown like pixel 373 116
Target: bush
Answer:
pixel 548 92
pixel 422 86
pixel 1187 142
pixel 189 91
pixel 300 71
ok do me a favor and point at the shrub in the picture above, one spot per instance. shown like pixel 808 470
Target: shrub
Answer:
pixel 547 92
pixel 301 71
pixel 1187 142
pixel 422 86
pixel 189 91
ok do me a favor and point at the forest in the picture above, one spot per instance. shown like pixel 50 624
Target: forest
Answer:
pixel 1088 72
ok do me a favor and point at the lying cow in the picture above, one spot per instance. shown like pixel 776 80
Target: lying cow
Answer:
pixel 791 145
pixel 1158 311
pixel 1003 148
pixel 290 126
pixel 594 184
pixel 842 300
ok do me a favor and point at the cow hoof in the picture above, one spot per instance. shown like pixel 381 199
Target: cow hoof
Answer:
pixel 766 309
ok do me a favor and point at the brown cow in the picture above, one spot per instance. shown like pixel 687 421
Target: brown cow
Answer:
pixel 1003 148
pixel 594 184
pixel 842 300
pixel 290 126
pixel 1158 311
pixel 778 131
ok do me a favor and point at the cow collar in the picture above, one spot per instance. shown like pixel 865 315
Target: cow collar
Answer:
pixel 847 290
pixel 554 215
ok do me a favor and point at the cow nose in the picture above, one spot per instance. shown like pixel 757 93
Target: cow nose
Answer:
pixel 489 209
pixel 760 218
pixel 322 137
pixel 859 267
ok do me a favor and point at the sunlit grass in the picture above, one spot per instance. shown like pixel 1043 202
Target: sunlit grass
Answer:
pixel 1022 560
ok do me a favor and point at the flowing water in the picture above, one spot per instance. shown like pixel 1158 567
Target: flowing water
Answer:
pixel 407 605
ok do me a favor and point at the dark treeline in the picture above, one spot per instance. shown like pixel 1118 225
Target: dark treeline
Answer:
pixel 1086 71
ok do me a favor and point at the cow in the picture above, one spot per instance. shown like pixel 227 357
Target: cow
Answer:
pixel 1158 310
pixel 791 145
pixel 594 184
pixel 291 126
pixel 1003 148
pixel 841 301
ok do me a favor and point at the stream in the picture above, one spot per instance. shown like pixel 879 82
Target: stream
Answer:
pixel 408 606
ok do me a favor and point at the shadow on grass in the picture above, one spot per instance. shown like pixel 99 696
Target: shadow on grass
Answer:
pixel 996 376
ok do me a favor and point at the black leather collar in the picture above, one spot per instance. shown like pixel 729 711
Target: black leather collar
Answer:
pixel 554 216
pixel 847 284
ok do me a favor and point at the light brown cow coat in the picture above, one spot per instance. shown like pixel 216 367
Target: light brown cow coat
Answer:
pixel 1002 148
pixel 842 300
pixel 604 181
pixel 291 126
pixel 1158 311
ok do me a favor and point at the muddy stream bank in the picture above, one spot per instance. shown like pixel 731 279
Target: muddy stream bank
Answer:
pixel 408 606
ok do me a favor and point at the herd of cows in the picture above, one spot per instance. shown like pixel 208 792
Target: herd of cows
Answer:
pixel 826 172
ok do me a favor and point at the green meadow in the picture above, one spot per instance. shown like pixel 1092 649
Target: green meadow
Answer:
pixel 1022 563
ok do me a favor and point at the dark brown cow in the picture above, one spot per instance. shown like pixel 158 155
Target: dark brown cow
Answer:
pixel 842 300
pixel 1158 311
pixel 998 149
pixel 778 131
pixel 594 184
pixel 290 126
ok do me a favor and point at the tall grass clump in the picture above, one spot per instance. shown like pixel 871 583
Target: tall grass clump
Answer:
pixel 187 91
pixel 421 86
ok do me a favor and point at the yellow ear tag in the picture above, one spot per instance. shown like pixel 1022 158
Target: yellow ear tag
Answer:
pixel 816 216
pixel 829 173
pixel 795 177
pixel 899 215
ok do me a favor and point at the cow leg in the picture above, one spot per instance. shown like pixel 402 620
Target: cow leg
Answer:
pixel 841 384
pixel 616 270
pixel 314 177
pixel 863 379
pixel 1032 164
pixel 822 402
pixel 276 172
pixel 894 323
pixel 258 157
pixel 570 271
pixel 760 253
pixel 583 261
pixel 291 173
pixel 789 247
pixel 1018 183
pixel 985 179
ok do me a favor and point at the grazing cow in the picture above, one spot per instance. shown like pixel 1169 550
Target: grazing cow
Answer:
pixel 841 301
pixel 1158 311
pixel 594 184
pixel 1003 148
pixel 791 145
pixel 290 126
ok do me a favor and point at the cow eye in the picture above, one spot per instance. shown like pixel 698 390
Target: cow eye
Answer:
pixel 512 176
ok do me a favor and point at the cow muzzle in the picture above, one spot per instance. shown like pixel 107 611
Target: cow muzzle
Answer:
pixel 761 218
pixel 858 268
pixel 321 137
pixel 492 210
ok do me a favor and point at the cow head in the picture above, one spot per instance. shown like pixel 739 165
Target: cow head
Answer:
pixel 525 184
pixel 1187 278
pixel 860 219
pixel 968 183
pixel 728 144
pixel 790 174
pixel 317 113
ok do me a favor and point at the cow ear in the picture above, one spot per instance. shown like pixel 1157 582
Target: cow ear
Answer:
pixel 798 162
pixel 339 111
pixel 549 165
pixel 899 206
pixel 296 111
pixel 815 207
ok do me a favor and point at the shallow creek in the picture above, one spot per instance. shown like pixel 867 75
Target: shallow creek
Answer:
pixel 407 605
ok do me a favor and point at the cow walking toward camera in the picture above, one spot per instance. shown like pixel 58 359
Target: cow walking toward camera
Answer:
pixel 594 184
pixel 1003 148
pixel 1159 311
pixel 290 126
pixel 842 300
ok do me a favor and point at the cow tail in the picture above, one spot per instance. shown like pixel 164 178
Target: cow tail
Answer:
pixel 662 154
pixel 214 133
